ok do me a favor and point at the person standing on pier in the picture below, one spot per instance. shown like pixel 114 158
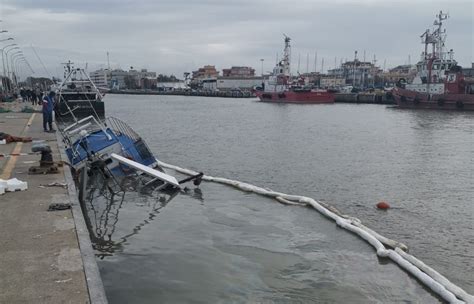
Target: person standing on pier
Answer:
pixel 48 104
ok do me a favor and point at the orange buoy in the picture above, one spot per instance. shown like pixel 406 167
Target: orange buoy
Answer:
pixel 383 205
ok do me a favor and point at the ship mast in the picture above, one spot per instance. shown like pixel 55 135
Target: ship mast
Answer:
pixel 436 39
pixel 285 63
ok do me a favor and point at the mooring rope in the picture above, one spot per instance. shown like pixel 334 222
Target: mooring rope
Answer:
pixel 427 275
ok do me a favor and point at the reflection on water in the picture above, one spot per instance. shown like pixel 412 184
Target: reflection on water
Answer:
pixel 228 246
pixel 103 203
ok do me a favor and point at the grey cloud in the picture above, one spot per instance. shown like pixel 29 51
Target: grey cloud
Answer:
pixel 174 36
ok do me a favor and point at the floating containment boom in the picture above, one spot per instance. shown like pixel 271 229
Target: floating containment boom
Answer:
pixel 425 274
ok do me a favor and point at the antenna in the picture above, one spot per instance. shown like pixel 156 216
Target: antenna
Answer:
pixel 307 63
pixel 108 61
pixel 316 62
pixel 299 57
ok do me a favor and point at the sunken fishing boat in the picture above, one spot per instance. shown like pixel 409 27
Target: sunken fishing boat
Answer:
pixel 112 163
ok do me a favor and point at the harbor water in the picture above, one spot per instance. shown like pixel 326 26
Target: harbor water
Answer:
pixel 220 245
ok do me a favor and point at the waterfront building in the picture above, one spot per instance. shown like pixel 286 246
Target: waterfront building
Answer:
pixel 239 72
pixel 468 72
pixel 208 71
pixel 405 72
pixel 148 83
pixel 118 79
pixel 238 83
pixel 331 82
pixel 100 78
pixel 356 73
pixel 171 86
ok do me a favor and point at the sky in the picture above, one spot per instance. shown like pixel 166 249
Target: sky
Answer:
pixel 177 36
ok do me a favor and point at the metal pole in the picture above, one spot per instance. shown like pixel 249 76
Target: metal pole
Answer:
pixel 15 67
pixel 8 67
pixel 3 57
pixel 6 58
pixel 13 75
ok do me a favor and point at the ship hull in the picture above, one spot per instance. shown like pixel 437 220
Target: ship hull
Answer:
pixel 408 99
pixel 304 97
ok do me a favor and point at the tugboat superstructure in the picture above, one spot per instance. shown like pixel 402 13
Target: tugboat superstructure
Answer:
pixel 439 83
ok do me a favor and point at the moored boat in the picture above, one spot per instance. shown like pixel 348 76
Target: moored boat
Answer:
pixel 77 96
pixel 439 82
pixel 279 87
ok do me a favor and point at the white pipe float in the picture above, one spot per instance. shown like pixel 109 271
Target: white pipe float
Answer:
pixel 425 274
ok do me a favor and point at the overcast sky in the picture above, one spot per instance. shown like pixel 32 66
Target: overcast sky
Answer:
pixel 174 36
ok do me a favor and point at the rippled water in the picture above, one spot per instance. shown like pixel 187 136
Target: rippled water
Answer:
pixel 221 245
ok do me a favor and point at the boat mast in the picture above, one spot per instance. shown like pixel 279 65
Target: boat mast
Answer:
pixel 286 56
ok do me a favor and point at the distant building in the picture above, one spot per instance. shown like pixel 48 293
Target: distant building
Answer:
pixel 171 86
pixel 331 82
pixel 238 83
pixel 118 79
pixel 239 72
pixel 356 73
pixel 208 71
pixel 468 72
pixel 148 83
pixel 406 72
pixel 100 78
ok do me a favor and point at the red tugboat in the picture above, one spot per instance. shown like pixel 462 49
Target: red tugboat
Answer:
pixel 278 87
pixel 439 83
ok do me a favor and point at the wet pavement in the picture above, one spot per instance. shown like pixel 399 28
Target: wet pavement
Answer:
pixel 40 260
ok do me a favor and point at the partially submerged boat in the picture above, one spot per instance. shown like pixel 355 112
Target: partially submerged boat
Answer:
pixel 111 152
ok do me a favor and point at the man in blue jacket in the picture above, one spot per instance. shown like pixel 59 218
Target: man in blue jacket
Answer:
pixel 48 105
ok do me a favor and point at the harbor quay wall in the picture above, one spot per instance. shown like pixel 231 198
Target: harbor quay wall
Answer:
pixel 46 256
pixel 369 98
pixel 225 94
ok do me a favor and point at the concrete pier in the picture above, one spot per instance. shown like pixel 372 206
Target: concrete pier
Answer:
pixel 42 256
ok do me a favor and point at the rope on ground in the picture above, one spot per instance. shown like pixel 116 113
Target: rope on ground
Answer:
pixel 425 274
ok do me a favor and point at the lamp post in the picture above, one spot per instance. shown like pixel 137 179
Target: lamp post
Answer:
pixel 3 62
pixel 6 57
pixel 3 56
pixel 17 61
pixel 13 57
pixel 6 60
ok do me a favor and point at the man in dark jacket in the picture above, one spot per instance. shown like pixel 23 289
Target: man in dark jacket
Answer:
pixel 48 105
